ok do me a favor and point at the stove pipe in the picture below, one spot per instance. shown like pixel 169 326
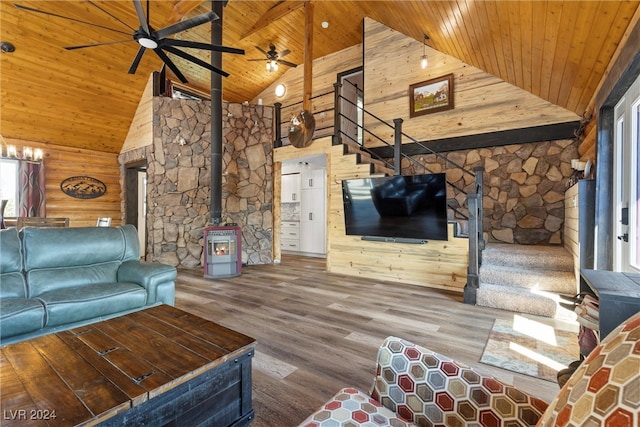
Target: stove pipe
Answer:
pixel 216 117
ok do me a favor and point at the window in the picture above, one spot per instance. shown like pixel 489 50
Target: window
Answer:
pixel 9 185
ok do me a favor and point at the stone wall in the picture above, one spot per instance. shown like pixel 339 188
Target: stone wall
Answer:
pixel 524 186
pixel 179 180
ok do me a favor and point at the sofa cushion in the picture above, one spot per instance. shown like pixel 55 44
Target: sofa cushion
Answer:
pixel 55 278
pixel 605 389
pixel 84 302
pixel 430 389
pixel 20 316
pixel 70 247
pixel 12 284
pixel 351 407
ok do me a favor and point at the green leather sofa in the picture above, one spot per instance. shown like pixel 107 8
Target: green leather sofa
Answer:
pixel 53 279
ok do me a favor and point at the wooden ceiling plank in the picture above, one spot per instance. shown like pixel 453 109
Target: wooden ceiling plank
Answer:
pixel 515 30
pixel 563 45
pixel 463 18
pixel 493 22
pixel 484 31
pixel 453 32
pixel 505 50
pixel 527 36
pixel 575 65
pixel 549 36
pixel 611 25
pixel 280 10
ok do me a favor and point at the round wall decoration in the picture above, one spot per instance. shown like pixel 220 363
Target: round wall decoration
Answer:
pixel 83 187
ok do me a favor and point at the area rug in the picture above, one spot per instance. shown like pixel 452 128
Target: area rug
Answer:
pixel 535 347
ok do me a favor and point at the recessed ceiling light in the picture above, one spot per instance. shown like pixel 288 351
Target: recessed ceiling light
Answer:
pixel 325 24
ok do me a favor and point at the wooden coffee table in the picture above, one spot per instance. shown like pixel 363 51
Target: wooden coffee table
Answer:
pixel 152 367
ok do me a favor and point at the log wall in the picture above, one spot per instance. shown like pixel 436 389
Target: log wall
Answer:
pixel 61 163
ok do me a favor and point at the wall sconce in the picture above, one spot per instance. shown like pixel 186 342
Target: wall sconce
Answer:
pixel 423 59
pixel 280 90
pixel 28 153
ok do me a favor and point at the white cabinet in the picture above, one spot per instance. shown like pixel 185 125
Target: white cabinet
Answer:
pixel 291 188
pixel 290 237
pixel 312 179
pixel 313 212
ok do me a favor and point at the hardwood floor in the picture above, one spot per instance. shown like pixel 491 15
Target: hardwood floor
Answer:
pixel 318 332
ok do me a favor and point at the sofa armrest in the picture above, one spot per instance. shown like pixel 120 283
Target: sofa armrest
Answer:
pixel 427 388
pixel 158 279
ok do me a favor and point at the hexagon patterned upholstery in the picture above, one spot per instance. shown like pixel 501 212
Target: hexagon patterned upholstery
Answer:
pixel 415 386
pixel 605 389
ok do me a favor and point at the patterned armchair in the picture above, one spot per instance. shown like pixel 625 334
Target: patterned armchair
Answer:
pixel 415 386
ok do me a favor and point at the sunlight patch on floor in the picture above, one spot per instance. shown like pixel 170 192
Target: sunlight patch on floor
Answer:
pixel 536 356
pixel 534 329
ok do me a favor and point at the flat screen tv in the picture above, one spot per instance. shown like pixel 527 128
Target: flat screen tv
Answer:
pixel 394 208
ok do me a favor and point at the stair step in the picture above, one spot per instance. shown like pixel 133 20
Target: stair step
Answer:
pixel 561 282
pixel 538 257
pixel 516 299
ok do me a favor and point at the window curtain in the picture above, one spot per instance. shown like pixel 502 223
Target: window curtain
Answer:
pixel 31 189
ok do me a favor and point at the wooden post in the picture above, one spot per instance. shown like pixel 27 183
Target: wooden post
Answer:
pixel 278 126
pixel 308 56
pixel 397 147
pixel 479 172
pixel 473 278
pixel 337 113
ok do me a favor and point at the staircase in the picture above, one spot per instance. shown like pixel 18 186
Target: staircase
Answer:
pixel 378 166
pixel 525 278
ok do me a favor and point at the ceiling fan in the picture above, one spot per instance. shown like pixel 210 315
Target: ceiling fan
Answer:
pixel 157 40
pixel 273 58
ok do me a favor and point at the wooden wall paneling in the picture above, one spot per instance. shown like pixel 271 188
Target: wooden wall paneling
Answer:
pixel 571 242
pixel 483 103
pixel 437 264
pixel 141 130
pixel 277 212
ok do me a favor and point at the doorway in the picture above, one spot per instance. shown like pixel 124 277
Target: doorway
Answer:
pixel 626 253
pixel 135 190
pixel 351 105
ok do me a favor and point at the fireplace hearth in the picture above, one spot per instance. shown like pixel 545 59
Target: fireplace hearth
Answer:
pixel 222 252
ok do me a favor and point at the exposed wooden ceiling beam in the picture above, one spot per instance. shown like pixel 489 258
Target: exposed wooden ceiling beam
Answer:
pixel 181 9
pixel 276 12
pixel 308 56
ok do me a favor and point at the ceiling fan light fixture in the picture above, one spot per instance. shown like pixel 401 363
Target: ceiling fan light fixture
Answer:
pixel 272 65
pixel 148 43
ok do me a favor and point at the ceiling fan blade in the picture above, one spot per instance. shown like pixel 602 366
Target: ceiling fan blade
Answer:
pixel 30 9
pixel 81 46
pixel 185 25
pixel 141 18
pixel 111 15
pixel 136 60
pixel 262 60
pixel 195 60
pixel 264 52
pixel 284 53
pixel 171 65
pixel 287 63
pixel 198 45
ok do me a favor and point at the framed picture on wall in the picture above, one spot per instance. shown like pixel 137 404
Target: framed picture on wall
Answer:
pixel 431 96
